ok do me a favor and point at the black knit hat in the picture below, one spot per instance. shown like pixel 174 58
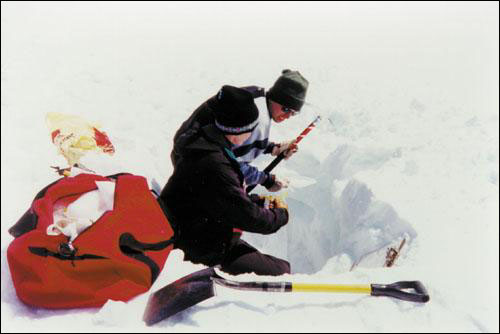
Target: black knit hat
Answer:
pixel 289 90
pixel 235 110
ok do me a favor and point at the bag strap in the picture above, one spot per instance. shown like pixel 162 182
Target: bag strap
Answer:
pixel 134 249
pixel 44 252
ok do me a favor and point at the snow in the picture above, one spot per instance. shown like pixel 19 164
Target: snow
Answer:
pixel 408 145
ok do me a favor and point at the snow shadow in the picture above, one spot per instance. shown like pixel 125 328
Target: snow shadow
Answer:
pixel 337 218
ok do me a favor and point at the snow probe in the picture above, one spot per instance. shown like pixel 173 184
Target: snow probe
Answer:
pixel 280 157
pixel 199 286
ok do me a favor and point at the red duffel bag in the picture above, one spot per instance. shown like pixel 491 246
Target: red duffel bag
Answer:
pixel 118 257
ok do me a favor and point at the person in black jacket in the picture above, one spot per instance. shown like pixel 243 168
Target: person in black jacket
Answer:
pixel 283 100
pixel 205 199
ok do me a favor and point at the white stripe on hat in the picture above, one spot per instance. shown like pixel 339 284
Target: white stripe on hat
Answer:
pixel 237 130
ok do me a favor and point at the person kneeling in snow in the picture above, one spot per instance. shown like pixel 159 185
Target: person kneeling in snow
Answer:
pixel 283 100
pixel 205 199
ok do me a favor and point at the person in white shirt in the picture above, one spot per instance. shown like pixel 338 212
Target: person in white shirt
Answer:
pixel 282 101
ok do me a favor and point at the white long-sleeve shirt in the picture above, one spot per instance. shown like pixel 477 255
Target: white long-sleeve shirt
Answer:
pixel 257 143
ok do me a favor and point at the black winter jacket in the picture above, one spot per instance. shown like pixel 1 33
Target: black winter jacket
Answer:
pixel 204 115
pixel 205 198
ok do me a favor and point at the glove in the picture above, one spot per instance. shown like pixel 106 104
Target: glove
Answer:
pixel 271 202
pixel 288 147
pixel 278 203
pixel 276 183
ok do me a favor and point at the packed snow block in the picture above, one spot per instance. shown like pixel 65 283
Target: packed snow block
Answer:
pixel 367 224
pixel 117 257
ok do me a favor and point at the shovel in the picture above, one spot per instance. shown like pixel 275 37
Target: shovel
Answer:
pixel 199 286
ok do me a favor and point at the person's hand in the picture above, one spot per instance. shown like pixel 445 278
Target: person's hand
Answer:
pixel 278 203
pixel 288 147
pixel 278 183
pixel 274 202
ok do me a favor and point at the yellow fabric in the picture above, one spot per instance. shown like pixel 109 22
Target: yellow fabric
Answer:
pixel 73 136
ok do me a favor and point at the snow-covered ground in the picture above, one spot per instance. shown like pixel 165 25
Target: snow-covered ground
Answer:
pixel 408 144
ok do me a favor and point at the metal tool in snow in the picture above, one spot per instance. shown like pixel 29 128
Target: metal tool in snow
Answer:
pixel 199 286
pixel 393 253
pixel 282 155
pixel 67 171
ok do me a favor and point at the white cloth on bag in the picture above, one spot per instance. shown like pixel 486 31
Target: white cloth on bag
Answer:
pixel 83 212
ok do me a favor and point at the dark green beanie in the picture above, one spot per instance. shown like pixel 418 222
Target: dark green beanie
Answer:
pixel 289 90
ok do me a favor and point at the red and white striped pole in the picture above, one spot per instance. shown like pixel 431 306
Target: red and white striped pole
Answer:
pixel 282 155
pixel 307 130
pixel 277 160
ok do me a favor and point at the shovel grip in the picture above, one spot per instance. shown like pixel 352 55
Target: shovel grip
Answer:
pixel 396 290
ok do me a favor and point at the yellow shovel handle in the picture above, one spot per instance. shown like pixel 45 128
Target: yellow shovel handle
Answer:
pixel 304 287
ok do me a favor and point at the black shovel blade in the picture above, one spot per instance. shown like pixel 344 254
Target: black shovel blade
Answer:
pixel 180 295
